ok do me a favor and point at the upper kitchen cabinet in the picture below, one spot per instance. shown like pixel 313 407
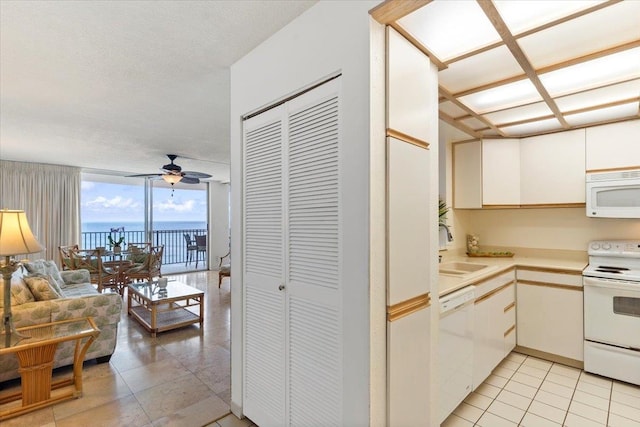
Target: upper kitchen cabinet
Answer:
pixel 467 175
pixel 614 146
pixel 501 173
pixel 552 169
pixel 408 88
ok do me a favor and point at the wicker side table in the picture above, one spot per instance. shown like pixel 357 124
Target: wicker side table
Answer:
pixel 35 352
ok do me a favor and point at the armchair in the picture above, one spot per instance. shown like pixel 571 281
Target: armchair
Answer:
pixel 224 270
pixel 66 263
pixel 150 268
pixel 91 260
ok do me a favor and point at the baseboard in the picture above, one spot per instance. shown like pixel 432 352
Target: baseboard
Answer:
pixel 550 357
pixel 237 410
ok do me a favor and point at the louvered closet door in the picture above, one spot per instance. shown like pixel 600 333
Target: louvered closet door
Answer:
pixel 264 313
pixel 313 258
pixel 293 336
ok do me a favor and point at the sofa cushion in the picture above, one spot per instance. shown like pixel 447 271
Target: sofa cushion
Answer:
pixel 45 267
pixel 49 279
pixel 74 277
pixel 41 289
pixel 20 293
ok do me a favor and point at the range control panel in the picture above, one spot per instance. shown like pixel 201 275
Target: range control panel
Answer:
pixel 617 248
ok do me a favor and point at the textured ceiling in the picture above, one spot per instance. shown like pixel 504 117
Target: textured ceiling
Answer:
pixel 116 85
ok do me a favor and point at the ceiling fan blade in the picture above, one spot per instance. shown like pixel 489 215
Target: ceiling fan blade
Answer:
pixel 144 175
pixel 189 180
pixel 193 174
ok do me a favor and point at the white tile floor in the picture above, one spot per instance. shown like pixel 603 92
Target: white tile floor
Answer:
pixel 530 392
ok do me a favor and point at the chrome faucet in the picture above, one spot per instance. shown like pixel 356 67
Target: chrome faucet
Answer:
pixel 449 235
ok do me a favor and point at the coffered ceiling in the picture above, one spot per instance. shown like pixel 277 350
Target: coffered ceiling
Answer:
pixel 519 68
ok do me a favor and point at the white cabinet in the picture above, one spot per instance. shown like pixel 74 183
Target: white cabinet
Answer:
pixel 409 90
pixel 613 146
pixel 294 332
pixel 467 175
pixel 494 331
pixel 501 172
pixel 549 311
pixel 552 169
pixel 408 232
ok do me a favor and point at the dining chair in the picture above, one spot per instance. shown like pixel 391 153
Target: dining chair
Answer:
pixel 201 248
pixel 137 252
pixel 224 270
pixel 191 248
pixel 152 267
pixel 65 256
pixel 102 276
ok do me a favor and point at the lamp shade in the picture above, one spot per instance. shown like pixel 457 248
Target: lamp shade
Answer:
pixel 15 234
pixel 171 178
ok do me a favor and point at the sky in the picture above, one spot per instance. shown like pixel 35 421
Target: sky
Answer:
pixel 104 202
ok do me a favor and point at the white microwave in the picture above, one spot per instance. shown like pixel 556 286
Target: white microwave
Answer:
pixel 613 194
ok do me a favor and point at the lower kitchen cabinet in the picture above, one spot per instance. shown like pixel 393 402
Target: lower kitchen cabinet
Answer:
pixel 494 326
pixel 549 312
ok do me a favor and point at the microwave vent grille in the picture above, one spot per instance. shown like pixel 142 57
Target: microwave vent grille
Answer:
pixel 611 176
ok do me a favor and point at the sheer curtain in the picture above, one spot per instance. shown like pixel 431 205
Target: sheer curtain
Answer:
pixel 50 196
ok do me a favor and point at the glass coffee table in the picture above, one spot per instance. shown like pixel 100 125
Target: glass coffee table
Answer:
pixel 161 309
pixel 35 348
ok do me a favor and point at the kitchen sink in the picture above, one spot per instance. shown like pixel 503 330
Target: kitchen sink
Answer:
pixel 460 268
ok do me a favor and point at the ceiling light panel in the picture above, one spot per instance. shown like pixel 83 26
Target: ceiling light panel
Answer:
pixel 612 26
pixel 502 97
pixel 523 15
pixel 452 110
pixel 477 70
pixel 532 127
pixel 613 68
pixel 600 96
pixel 526 112
pixel 450 28
pixel 603 114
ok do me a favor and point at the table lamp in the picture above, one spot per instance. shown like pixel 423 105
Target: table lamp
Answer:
pixel 16 238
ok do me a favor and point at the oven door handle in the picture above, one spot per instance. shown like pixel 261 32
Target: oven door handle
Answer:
pixel 610 284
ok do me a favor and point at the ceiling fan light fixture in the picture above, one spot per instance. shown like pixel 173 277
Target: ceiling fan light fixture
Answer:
pixel 171 178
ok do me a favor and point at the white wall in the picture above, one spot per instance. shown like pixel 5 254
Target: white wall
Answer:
pixel 554 228
pixel 328 38
pixel 218 222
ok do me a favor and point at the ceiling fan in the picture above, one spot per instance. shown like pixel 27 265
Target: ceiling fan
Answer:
pixel 172 173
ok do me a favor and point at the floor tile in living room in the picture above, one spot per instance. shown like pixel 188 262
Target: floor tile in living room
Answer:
pixel 179 378
pixel 530 392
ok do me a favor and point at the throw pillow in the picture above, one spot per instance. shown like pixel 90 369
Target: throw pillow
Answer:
pixel 49 279
pixel 41 289
pixel 20 293
pixel 45 267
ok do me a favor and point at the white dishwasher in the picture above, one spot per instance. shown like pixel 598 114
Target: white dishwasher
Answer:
pixel 455 349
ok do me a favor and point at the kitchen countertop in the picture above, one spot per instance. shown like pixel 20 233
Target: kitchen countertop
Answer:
pixel 553 259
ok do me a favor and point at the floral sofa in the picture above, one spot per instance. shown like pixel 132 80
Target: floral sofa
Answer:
pixel 74 297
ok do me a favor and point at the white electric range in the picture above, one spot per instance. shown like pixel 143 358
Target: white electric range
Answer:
pixel 612 310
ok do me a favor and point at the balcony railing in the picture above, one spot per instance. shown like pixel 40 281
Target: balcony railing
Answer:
pixel 175 245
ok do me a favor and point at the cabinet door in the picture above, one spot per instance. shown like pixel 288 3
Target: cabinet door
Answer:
pixel 552 169
pixel 409 89
pixel 467 175
pixel 613 146
pixel 550 318
pixel 501 172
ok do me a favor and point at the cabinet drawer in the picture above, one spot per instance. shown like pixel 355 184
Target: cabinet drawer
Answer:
pixel 509 317
pixel 509 342
pixel 548 276
pixel 484 287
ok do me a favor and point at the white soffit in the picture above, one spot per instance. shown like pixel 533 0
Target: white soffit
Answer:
pixel 584 35
pixel 604 114
pixel 489 66
pixel 450 28
pixel 474 123
pixel 502 97
pixel 452 110
pixel 613 68
pixel 533 127
pixel 526 112
pixel 523 15
pixel 600 96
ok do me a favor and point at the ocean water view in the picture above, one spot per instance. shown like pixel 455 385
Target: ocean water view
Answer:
pixel 92 227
